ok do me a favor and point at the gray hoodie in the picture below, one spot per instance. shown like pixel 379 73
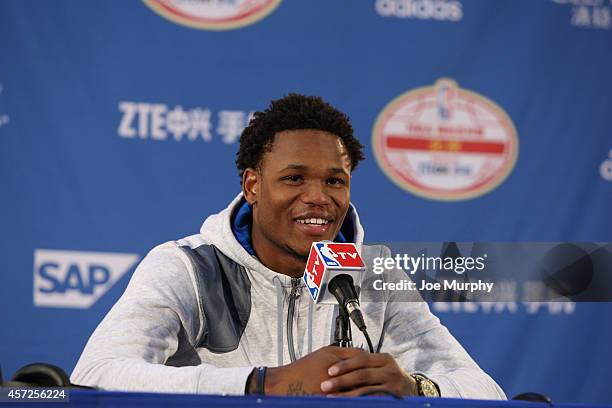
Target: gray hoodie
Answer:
pixel 201 312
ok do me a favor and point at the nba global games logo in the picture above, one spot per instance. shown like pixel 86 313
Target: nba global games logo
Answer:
pixel 445 143
pixel 213 14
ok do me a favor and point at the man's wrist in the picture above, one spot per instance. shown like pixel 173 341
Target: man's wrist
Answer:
pixel 273 379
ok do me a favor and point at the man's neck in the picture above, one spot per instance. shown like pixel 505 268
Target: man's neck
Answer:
pixel 275 258
pixel 290 267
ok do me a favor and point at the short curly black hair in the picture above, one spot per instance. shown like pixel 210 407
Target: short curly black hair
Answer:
pixel 294 112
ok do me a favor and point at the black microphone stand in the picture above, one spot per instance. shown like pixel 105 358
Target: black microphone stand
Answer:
pixel 342 335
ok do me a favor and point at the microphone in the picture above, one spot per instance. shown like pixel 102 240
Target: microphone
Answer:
pixel 330 275
pixel 343 289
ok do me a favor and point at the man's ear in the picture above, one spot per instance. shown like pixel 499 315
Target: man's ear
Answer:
pixel 250 185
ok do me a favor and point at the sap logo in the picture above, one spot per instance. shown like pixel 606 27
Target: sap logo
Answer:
pixel 76 279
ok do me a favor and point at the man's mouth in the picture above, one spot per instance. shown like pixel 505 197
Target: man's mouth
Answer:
pixel 313 221
pixel 314 226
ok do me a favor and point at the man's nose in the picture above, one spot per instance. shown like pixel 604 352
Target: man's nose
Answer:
pixel 315 193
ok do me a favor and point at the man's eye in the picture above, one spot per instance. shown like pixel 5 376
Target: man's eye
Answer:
pixel 335 181
pixel 293 179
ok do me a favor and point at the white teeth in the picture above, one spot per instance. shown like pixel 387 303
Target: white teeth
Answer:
pixel 317 221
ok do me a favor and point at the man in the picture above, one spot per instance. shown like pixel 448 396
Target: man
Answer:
pixel 225 311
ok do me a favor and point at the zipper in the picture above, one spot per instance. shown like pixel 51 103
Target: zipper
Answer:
pixel 295 284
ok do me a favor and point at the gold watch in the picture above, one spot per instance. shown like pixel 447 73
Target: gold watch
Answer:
pixel 425 387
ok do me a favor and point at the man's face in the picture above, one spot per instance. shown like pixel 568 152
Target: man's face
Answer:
pixel 300 194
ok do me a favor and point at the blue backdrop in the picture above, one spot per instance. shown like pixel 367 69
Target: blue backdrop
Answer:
pixel 119 123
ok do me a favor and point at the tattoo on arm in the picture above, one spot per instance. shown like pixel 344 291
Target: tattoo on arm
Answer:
pixel 297 389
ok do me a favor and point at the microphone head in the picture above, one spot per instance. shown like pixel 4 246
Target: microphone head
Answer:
pixel 343 288
pixel 325 261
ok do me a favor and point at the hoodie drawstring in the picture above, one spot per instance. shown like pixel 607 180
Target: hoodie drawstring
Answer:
pixel 310 308
pixel 280 292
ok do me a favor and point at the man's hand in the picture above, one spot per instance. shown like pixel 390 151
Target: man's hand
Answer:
pixel 339 371
pixel 302 377
pixel 358 372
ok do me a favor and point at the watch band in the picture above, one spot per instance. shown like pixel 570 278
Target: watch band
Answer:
pixel 260 380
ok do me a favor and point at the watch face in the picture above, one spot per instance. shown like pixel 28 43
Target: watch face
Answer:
pixel 428 388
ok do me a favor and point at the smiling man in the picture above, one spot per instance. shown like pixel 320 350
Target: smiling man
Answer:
pixel 300 193
pixel 225 311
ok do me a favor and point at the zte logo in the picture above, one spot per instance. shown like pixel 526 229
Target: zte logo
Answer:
pixel 76 279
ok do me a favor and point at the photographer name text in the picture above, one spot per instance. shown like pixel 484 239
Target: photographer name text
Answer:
pixel 406 284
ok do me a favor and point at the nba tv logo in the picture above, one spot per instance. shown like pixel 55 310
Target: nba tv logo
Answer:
pixel 76 279
pixel 329 258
